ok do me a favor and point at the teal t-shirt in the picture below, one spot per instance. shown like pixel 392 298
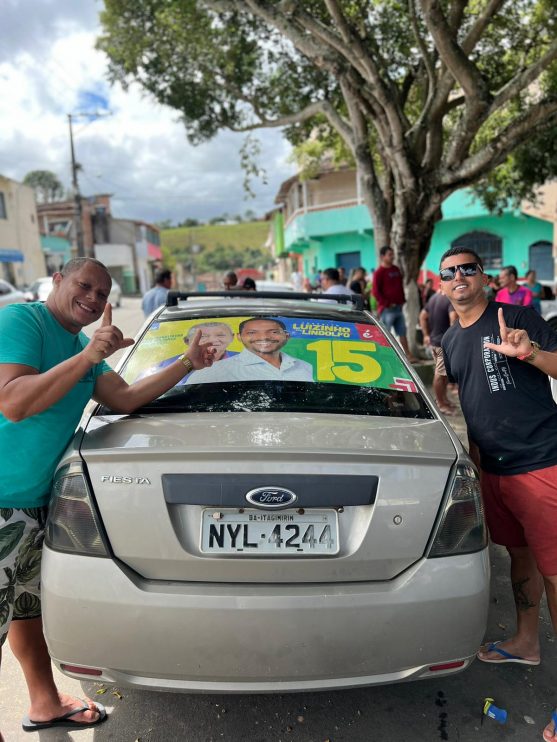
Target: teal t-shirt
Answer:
pixel 31 449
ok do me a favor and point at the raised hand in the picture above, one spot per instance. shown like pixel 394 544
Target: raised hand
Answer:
pixel 200 354
pixel 513 342
pixel 107 339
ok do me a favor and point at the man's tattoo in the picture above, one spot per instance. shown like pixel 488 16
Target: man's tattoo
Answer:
pixel 523 602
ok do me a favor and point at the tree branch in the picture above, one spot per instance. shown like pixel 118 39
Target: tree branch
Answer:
pixel 423 48
pixel 303 30
pixel 541 116
pixel 521 81
pixel 456 14
pixel 446 82
pixel 362 154
pixel 461 68
pixel 319 107
pixel 480 24
pixel 351 48
pixel 417 128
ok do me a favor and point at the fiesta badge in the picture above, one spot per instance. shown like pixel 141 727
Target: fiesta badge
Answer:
pixel 271 497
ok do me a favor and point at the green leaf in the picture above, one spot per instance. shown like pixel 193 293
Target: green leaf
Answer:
pixel 7 596
pixel 6 513
pixel 4 612
pixel 30 512
pixel 27 605
pixel 29 567
pixel 33 541
pixel 10 537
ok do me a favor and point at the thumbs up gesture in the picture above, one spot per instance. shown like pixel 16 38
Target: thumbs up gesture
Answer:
pixel 107 339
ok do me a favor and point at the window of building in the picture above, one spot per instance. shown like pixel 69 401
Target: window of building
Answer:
pixel 488 246
pixel 3 214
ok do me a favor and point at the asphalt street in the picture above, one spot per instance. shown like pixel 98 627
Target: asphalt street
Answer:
pixel 438 709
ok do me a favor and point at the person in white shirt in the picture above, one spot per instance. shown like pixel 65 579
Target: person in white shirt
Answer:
pixel 331 283
pixel 262 358
pixel 296 279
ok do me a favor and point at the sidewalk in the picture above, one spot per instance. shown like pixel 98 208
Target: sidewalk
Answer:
pixel 424 369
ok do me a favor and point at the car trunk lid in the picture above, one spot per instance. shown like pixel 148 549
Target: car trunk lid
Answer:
pixel 161 482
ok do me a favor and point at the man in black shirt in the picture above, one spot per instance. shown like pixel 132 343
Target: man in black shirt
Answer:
pixel 501 356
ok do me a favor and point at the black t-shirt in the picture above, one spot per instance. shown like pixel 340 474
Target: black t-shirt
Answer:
pixel 507 403
pixel 438 320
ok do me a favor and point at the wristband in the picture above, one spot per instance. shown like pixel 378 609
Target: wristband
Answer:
pixel 188 365
pixel 529 357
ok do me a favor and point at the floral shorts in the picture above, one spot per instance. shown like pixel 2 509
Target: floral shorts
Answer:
pixel 21 541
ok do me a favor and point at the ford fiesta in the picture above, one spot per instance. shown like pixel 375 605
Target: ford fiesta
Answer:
pixel 296 517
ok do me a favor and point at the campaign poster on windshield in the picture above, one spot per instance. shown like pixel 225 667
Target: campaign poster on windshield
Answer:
pixel 275 348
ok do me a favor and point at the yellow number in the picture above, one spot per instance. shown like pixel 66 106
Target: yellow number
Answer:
pixel 333 357
pixel 322 348
pixel 355 353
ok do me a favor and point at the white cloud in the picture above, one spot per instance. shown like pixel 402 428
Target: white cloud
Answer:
pixel 49 68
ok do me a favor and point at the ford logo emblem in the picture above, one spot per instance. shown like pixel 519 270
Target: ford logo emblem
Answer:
pixel 271 497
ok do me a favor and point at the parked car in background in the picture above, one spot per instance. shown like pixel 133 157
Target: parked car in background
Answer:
pixel 9 294
pixel 273 286
pixel 42 287
pixel 310 525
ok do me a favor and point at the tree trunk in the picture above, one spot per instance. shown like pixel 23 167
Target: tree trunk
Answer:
pixel 411 235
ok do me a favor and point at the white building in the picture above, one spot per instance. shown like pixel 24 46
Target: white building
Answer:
pixel 21 256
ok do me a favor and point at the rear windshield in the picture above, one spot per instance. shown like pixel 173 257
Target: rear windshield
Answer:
pixel 281 363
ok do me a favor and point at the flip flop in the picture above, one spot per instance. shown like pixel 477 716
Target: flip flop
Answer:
pixel 66 721
pixel 447 411
pixel 506 657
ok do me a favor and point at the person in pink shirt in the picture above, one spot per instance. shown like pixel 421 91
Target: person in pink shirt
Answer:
pixel 511 292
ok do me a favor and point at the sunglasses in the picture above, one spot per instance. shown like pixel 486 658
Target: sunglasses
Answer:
pixel 466 269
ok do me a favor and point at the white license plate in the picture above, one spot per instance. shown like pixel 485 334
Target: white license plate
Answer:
pixel 283 533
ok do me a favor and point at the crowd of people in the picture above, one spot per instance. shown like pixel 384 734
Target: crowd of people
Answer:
pixel 382 291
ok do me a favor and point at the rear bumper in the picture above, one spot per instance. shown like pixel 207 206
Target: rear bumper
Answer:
pixel 223 638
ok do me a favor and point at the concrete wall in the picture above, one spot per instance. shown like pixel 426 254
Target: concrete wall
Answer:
pixel 20 231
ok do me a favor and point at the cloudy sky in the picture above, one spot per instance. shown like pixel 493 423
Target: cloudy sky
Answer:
pixel 139 153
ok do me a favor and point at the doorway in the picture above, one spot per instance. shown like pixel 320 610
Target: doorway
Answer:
pixel 348 261
pixel 540 259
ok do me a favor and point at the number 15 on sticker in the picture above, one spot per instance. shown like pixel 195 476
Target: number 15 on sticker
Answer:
pixel 345 361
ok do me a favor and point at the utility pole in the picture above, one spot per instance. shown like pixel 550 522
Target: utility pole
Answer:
pixel 78 211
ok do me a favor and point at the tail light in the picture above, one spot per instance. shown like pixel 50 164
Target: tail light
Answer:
pixel 73 524
pixel 461 529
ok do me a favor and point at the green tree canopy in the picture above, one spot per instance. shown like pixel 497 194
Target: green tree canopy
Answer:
pixel 46 185
pixel 229 257
pixel 426 96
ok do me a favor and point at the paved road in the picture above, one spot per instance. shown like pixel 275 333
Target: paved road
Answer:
pixel 426 711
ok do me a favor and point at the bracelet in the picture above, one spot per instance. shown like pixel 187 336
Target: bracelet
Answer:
pixel 188 365
pixel 529 357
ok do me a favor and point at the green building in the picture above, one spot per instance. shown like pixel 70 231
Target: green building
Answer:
pixel 327 224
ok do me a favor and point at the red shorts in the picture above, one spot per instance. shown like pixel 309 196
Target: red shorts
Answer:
pixel 521 510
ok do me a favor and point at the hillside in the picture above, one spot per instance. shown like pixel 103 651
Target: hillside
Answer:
pixel 246 234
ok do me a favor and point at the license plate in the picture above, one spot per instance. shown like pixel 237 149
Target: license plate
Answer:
pixel 284 533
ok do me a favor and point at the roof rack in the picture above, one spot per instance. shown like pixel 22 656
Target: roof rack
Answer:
pixel 173 297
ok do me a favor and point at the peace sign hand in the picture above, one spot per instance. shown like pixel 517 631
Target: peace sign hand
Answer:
pixel 107 339
pixel 513 342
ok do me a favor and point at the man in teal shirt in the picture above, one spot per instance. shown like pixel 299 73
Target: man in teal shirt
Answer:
pixel 49 370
